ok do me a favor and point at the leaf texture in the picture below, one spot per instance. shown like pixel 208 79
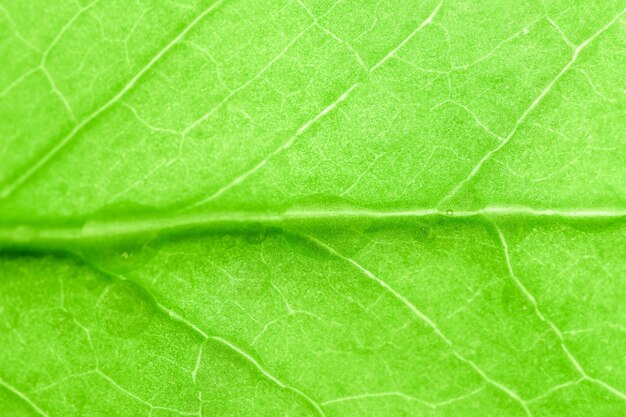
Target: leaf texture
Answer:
pixel 312 208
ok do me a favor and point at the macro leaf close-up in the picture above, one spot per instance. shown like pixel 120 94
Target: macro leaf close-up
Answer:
pixel 325 208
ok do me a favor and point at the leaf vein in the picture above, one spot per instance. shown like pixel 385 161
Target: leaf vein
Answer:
pixel 421 316
pixel 59 146
pixel 487 156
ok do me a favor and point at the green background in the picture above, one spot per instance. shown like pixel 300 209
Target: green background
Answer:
pixel 312 208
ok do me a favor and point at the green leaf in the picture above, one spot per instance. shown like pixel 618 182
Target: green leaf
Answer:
pixel 312 208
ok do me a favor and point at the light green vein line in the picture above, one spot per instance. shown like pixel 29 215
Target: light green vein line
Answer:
pixel 102 229
pixel 328 109
pixel 21 179
pixel 173 315
pixel 425 319
pixel 23 396
pixel 268 375
pixel 557 332
pixel 546 90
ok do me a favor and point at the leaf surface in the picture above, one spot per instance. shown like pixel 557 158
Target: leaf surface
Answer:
pixel 312 208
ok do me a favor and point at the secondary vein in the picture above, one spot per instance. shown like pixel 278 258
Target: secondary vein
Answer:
pixel 22 178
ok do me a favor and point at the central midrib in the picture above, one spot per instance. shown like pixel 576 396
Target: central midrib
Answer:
pixel 24 234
